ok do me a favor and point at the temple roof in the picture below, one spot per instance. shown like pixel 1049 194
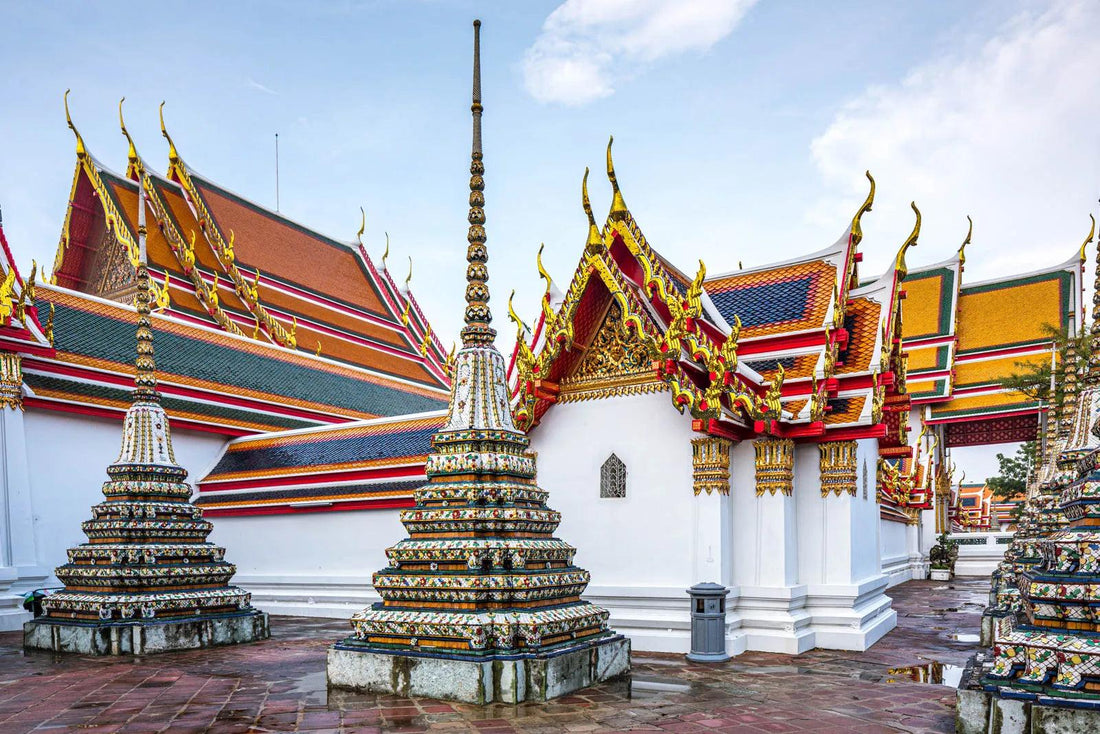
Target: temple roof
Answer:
pixel 796 328
pixel 1003 324
pixel 375 463
pixel 210 380
pixel 235 265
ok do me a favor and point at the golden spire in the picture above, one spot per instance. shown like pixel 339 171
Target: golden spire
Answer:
pixel 362 225
pixel 131 155
pixel 962 247
pixel 857 230
pixel 145 379
pixel 81 151
pixel 899 263
pixel 618 206
pixel 478 317
pixel 173 155
pixel 595 241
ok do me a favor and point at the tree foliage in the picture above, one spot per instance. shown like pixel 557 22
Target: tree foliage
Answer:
pixel 1015 471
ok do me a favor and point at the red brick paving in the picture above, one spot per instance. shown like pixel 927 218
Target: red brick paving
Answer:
pixel 279 685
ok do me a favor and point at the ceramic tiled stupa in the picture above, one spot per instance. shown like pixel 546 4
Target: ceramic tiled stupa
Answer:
pixel 481 603
pixel 147 580
pixel 1045 664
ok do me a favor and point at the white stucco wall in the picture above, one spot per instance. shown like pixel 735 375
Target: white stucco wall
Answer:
pixel 644 538
pixel 68 456
pixel 317 564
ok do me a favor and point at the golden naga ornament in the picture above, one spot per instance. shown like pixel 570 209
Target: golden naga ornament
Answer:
pixel 162 299
pixel 7 296
pixel 49 326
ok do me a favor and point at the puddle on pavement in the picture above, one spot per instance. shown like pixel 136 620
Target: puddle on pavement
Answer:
pixel 313 687
pixel 936 673
pixel 643 686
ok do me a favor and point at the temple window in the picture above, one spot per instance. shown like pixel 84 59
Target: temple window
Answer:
pixel 613 478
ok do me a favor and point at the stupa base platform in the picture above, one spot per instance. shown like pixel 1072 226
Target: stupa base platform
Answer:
pixel 982 707
pixel 145 637
pixel 493 679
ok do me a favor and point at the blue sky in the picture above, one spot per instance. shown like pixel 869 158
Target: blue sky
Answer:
pixel 742 129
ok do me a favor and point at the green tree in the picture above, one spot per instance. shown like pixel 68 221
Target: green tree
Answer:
pixel 1033 378
pixel 1014 471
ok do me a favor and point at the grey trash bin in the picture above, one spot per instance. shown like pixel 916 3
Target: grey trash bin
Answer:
pixel 708 623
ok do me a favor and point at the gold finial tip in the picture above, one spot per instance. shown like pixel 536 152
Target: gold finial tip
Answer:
pixel 477 23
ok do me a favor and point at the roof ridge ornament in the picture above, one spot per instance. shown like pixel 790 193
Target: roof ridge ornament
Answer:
pixel 1088 240
pixel 386 254
pixel 856 232
pixel 362 225
pixel 595 240
pixel 131 154
pixel 81 150
pixel 173 154
pixel 962 248
pixel 618 206
pixel 899 263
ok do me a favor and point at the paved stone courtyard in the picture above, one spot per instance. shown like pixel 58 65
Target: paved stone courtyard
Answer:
pixel 279 685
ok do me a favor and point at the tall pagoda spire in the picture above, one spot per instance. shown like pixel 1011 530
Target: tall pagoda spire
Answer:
pixel 147 580
pixel 478 316
pixel 480 584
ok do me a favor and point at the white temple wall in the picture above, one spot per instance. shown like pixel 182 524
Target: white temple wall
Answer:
pixel 68 454
pixel 316 564
pixel 895 544
pixel 642 550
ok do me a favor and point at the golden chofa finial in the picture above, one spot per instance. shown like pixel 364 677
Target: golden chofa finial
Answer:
pixel 386 254
pixel 173 155
pixel 362 225
pixel 899 263
pixel 969 233
pixel 81 151
pixel 595 241
pixel 409 277
pixel 542 271
pixel 618 206
pixel 1088 240
pixel 522 327
pixel 131 154
pixel 857 229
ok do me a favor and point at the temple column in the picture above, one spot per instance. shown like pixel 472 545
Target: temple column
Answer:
pixel 17 549
pixel 712 559
pixel 839 558
pixel 772 601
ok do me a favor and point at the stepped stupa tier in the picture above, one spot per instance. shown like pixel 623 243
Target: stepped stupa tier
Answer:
pixel 1046 633
pixel 147 580
pixel 481 602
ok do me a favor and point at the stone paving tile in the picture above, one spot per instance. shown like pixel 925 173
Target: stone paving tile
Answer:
pixel 278 685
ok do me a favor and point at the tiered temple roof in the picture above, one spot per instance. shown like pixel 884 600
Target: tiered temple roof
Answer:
pixel 964 338
pixel 794 350
pixel 147 560
pixel 259 343
pixel 373 464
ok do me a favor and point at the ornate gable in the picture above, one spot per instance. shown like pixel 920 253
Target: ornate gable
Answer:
pixel 615 363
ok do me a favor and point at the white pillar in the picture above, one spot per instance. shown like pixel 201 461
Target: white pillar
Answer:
pixel 772 601
pixel 840 561
pixel 18 565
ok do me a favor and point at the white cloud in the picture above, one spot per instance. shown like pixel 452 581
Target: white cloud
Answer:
pixel 587 45
pixel 1004 131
